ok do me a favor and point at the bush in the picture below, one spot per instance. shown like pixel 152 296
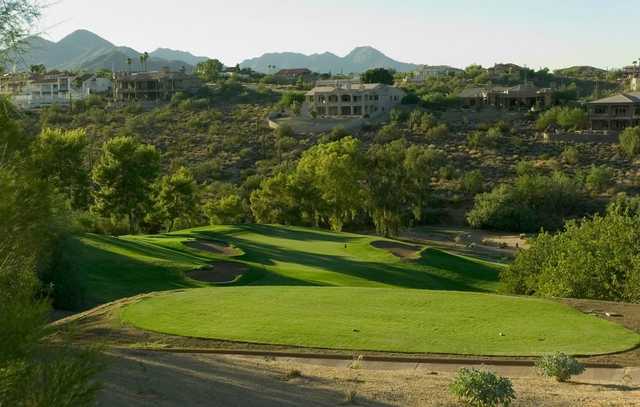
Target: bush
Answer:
pixel 559 366
pixel 472 182
pixel 489 139
pixel 438 132
pixel 599 178
pixel 597 258
pixel 482 388
pixel 566 117
pixel 630 141
pixel 571 156
pixel 533 202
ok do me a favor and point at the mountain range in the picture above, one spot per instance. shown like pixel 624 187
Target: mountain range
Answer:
pixel 358 60
pixel 86 51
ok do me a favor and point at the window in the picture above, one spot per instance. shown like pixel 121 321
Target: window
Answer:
pixel 333 98
pixel 637 110
pixel 600 110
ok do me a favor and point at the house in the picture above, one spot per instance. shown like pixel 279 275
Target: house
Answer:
pixel 425 72
pixel 96 85
pixel 153 86
pixel 508 98
pixel 35 91
pixel 293 73
pixel 615 112
pixel 352 98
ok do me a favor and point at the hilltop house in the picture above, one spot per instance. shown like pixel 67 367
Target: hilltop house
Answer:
pixel 153 86
pixel 510 98
pixel 615 112
pixel 425 72
pixel 31 91
pixel 352 98
pixel 293 73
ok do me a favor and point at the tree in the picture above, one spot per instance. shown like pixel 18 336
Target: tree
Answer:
pixel 58 156
pixel 378 75
pixel 597 258
pixel 129 63
pixel 226 210
pixel 124 177
pixel 209 70
pixel 334 170
pixel 273 201
pixel 39 69
pixel 177 198
pixel 630 141
pixel 16 19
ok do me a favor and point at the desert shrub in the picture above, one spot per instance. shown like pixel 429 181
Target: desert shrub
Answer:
pixel 566 117
pixel 420 121
pixel 571 155
pixel 482 388
pixel 388 133
pixel 472 182
pixel 630 141
pixel 531 203
pixel 559 366
pixel 489 139
pixel 526 167
pixel 596 258
pixel 398 115
pixel 438 132
pixel 599 178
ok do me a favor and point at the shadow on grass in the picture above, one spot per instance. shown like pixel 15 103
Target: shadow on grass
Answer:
pixel 422 274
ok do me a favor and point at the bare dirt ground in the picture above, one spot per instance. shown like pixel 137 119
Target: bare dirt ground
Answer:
pixel 219 272
pixel 143 378
pixel 212 247
pixel 398 249
pixel 469 242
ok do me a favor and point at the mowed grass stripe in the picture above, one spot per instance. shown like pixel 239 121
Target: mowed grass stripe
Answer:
pixel 397 320
pixel 114 268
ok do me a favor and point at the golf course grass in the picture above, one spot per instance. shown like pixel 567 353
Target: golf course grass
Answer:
pixel 113 268
pixel 381 319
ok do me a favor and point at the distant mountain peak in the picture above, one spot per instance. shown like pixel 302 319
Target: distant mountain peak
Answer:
pixel 85 39
pixel 358 60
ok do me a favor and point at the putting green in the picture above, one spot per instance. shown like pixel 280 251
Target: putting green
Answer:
pixel 380 319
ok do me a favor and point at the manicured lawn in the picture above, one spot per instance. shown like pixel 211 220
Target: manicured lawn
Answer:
pixel 383 319
pixel 114 268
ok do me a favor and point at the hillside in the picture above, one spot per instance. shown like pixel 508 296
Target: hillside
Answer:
pixel 358 60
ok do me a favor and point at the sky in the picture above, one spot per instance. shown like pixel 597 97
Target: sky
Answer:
pixel 542 33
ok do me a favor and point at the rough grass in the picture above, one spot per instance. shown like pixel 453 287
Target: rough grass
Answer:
pixel 380 319
pixel 275 255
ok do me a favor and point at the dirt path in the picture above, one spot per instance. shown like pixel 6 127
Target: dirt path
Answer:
pixel 142 378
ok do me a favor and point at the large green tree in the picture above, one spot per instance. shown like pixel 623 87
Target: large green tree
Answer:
pixel 124 177
pixel 209 70
pixel 58 156
pixel 378 75
pixel 597 258
pixel 335 172
pixel 177 198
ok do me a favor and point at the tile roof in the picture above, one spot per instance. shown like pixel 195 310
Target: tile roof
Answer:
pixel 622 98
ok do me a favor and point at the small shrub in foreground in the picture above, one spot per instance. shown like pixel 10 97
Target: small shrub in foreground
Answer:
pixel 559 366
pixel 482 388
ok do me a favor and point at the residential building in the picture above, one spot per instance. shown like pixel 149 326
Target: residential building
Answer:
pixel 153 86
pixel 616 112
pixel 510 98
pixel 30 91
pixel 425 72
pixel 294 73
pixel 96 85
pixel 352 98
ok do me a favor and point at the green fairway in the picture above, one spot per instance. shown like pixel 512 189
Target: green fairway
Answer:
pixel 114 268
pixel 380 319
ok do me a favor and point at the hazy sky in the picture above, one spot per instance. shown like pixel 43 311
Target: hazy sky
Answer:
pixel 552 33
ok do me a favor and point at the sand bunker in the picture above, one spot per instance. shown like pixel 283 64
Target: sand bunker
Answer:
pixel 220 272
pixel 211 247
pixel 396 248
